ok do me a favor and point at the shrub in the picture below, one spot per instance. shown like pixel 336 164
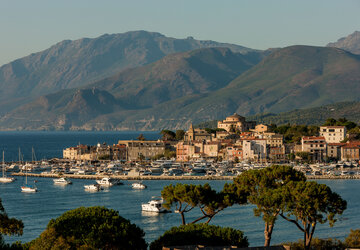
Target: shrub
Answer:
pixel 353 239
pixel 318 244
pixel 200 234
pixel 90 228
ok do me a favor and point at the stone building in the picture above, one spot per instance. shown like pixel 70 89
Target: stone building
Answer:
pixel 143 150
pixel 316 146
pixel 197 134
pixel 350 151
pixel 236 122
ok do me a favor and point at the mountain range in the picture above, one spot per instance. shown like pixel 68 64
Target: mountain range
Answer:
pixel 146 81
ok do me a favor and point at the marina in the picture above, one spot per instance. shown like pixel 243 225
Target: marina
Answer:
pixel 36 209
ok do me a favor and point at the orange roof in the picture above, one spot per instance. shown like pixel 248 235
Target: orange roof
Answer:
pixel 313 138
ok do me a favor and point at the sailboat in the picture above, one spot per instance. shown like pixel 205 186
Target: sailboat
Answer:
pixel 27 188
pixel 5 179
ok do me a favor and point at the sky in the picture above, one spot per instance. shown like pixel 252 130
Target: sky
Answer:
pixel 29 26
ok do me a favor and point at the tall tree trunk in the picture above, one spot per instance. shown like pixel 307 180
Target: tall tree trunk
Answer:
pixel 267 233
pixel 182 217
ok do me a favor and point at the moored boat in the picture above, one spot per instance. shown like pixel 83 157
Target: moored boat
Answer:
pixel 155 205
pixel 62 180
pixel 93 187
pixel 106 181
pixel 4 178
pixel 138 185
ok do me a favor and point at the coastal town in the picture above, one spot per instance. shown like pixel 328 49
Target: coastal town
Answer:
pixel 236 145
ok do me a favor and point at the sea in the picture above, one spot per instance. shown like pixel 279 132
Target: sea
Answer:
pixel 36 209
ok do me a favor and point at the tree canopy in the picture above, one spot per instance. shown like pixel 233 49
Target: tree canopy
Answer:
pixel 90 228
pixel 264 188
pixel 8 226
pixel 309 203
pixel 186 197
pixel 167 135
pixel 204 234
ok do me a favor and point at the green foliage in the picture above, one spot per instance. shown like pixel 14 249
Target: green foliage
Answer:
pixel 353 239
pixel 141 137
pixel 200 234
pixel 305 156
pixel 179 135
pixel 341 122
pixel 8 226
pixel 264 188
pixel 167 135
pixel 186 197
pixel 90 228
pixel 309 203
pixel 293 133
pixel 168 154
pixel 318 244
pixel 104 157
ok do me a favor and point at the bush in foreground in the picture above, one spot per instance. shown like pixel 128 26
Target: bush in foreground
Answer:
pixel 200 234
pixel 90 228
pixel 318 244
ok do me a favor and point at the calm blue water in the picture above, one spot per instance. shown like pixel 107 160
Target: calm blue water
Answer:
pixel 35 210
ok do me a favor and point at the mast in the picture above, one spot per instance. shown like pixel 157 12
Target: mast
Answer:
pixel 3 165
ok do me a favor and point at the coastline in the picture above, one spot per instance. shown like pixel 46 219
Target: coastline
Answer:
pixel 161 177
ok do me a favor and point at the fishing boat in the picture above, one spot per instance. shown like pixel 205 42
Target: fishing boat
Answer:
pixel 154 205
pixel 4 178
pixel 62 181
pixel 138 185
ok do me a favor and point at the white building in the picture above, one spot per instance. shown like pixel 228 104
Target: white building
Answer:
pixel 254 149
pixel 333 134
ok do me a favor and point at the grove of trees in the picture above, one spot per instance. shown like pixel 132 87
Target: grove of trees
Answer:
pixel 275 191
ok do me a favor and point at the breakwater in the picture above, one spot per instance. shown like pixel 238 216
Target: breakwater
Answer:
pixel 164 177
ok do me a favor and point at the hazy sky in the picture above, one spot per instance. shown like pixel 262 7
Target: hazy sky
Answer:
pixel 28 26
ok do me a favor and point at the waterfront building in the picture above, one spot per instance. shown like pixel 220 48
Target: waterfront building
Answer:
pixel 235 123
pixel 186 150
pixel 255 149
pixel 316 146
pixel 333 134
pixel 143 150
pixel 334 150
pixel 350 151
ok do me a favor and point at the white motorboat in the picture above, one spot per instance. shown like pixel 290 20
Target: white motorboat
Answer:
pixel 4 178
pixel 138 185
pixel 106 181
pixel 62 180
pixel 154 205
pixel 28 189
pixel 93 187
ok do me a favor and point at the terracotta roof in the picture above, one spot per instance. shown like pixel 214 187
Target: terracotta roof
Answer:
pixel 336 144
pixel 313 138
pixel 332 126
